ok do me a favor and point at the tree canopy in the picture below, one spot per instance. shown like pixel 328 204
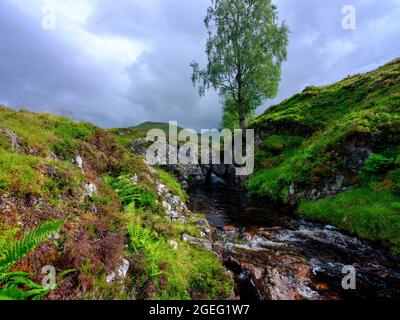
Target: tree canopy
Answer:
pixel 245 49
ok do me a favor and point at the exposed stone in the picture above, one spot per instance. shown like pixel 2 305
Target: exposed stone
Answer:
pixel 198 242
pixel 173 244
pixel 90 189
pixel 356 158
pixel 139 146
pixel 17 144
pixel 50 171
pixel 173 215
pixel 78 161
pixel 166 206
pixel 121 272
pixel 230 228
pixel 161 189
pixel 314 195
pixel 55 236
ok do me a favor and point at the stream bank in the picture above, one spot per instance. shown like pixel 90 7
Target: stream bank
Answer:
pixel 275 255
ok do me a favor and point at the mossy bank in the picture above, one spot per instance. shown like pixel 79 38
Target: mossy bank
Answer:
pixel 124 231
pixel 334 152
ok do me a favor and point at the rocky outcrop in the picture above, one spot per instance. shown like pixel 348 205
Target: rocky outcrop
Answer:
pixel 17 144
pixel 205 243
pixel 330 190
pixel 140 146
pixel 193 174
pixel 176 210
pixel 355 157
pixel 186 174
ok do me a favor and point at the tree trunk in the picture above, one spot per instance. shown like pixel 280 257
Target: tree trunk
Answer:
pixel 242 118
pixel 242 113
pixel 242 110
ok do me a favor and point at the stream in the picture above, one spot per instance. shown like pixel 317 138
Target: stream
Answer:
pixel 275 255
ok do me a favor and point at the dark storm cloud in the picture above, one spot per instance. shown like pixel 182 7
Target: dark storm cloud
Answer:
pixel 118 63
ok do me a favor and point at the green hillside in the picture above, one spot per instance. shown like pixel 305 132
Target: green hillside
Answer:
pixel 104 206
pixel 343 138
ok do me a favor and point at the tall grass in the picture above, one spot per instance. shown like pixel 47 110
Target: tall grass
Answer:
pixel 369 213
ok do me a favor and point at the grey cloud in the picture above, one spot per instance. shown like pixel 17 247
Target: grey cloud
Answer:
pixel 318 52
pixel 49 71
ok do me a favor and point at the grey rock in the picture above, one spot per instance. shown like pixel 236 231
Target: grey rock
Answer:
pixel 198 242
pixel 78 161
pixel 55 236
pixel 139 146
pixel 90 189
pixel 356 158
pixel 121 272
pixel 17 144
pixel 173 244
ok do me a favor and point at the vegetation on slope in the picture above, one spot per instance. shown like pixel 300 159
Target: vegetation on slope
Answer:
pixel 348 130
pixel 125 136
pixel 52 168
pixel 18 285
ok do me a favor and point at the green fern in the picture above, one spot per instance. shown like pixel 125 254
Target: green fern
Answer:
pixel 6 238
pixel 17 285
pixel 12 292
pixel 28 243
pixel 131 192
pixel 142 240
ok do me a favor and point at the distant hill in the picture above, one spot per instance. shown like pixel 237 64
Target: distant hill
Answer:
pixel 125 135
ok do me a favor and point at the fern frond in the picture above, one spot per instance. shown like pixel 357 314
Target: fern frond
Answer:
pixel 6 276
pixel 6 238
pixel 12 293
pixel 29 242
pixel 25 282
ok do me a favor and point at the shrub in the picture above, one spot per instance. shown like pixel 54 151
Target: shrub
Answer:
pixel 395 174
pixel 130 191
pixel 377 164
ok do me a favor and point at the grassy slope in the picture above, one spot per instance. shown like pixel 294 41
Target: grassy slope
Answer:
pixel 124 136
pixel 39 182
pixel 306 140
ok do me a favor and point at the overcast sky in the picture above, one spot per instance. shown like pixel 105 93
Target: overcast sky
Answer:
pixel 118 63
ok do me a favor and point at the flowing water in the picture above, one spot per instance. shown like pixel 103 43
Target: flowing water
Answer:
pixel 276 255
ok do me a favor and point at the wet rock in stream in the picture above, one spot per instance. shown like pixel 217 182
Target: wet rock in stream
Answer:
pixel 280 257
